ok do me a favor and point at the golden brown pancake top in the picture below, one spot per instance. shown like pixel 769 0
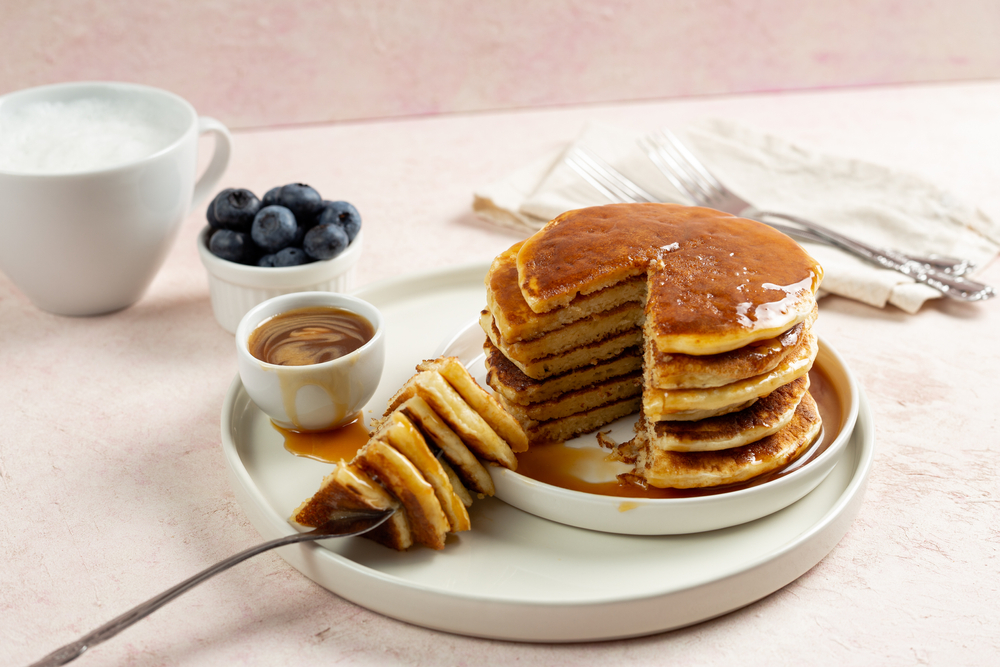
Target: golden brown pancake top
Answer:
pixel 712 276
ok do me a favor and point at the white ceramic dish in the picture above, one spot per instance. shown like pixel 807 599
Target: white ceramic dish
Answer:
pixel 236 288
pixel 644 516
pixel 516 576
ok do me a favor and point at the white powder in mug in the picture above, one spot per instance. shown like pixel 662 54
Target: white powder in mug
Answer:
pixel 80 135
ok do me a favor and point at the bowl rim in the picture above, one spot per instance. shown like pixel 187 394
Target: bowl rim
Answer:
pixel 311 298
pixel 277 277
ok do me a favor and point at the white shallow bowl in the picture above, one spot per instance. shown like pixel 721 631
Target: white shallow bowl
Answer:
pixel 666 516
pixel 236 288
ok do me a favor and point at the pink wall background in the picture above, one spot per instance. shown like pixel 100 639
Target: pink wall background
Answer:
pixel 255 63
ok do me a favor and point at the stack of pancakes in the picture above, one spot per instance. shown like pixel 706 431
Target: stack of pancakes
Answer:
pixel 697 319
pixel 422 459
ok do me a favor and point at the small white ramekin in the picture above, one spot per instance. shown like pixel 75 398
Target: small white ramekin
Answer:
pixel 236 288
pixel 317 396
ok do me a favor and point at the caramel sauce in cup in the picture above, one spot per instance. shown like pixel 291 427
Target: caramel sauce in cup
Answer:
pixel 311 360
pixel 311 335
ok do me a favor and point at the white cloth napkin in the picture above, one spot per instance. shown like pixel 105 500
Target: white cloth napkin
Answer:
pixel 881 206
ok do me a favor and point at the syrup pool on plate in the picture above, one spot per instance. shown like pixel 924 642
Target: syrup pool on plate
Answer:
pixel 327 446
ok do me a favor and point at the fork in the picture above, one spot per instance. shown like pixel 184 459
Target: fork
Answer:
pixel 688 174
pixel 617 187
pixel 341 524
pixel 947 280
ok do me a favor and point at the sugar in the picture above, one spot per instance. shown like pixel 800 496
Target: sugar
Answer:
pixel 80 135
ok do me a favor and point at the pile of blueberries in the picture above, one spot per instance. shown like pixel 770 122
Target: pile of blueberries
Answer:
pixel 291 225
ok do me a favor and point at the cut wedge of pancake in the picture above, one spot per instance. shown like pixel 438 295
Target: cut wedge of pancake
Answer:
pixel 348 488
pixel 455 452
pixel 764 417
pixel 400 477
pixel 479 400
pixel 401 434
pixel 420 458
pixel 685 470
pixel 454 411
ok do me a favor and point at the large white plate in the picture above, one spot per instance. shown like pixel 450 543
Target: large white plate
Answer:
pixel 515 576
pixel 647 516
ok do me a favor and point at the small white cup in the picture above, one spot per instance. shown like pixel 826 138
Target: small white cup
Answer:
pixel 316 397
pixel 87 241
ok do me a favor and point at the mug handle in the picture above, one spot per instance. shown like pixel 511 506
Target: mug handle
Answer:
pixel 220 158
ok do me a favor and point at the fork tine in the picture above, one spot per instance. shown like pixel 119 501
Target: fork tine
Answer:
pixel 678 163
pixel 691 160
pixel 606 178
pixel 602 186
pixel 669 168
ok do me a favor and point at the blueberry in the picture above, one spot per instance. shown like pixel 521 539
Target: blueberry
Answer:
pixel 230 245
pixel 236 210
pixel 301 200
pixel 273 228
pixel 268 260
pixel 291 256
pixel 271 196
pixel 210 213
pixel 325 241
pixel 340 213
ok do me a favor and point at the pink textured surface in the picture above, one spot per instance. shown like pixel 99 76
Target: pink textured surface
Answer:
pixel 256 63
pixel 112 483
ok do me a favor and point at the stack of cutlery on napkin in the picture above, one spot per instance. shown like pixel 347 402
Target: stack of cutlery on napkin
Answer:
pixel 881 206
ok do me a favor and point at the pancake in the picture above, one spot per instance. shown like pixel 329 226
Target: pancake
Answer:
pixel 516 321
pixel 627 316
pixel 504 377
pixel 400 433
pixel 478 399
pixel 686 404
pixel 403 479
pixel 716 282
pixel 475 433
pixel 764 417
pixel 453 450
pixel 725 332
pixel 685 371
pixel 348 488
pixel 418 460
pixel 587 421
pixel 686 470
pixel 544 367
pixel 572 402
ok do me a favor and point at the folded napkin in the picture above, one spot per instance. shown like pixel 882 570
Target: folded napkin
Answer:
pixel 874 204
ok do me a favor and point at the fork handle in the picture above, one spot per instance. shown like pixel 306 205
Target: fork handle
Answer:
pixel 362 523
pixel 955 287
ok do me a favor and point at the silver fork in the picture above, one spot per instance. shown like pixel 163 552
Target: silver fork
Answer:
pixel 617 187
pixel 691 177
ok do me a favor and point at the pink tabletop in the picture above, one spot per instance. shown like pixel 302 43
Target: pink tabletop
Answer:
pixel 113 485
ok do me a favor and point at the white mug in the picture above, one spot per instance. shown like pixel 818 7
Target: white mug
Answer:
pixel 82 239
pixel 319 396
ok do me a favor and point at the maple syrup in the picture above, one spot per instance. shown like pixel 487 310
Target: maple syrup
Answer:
pixel 329 446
